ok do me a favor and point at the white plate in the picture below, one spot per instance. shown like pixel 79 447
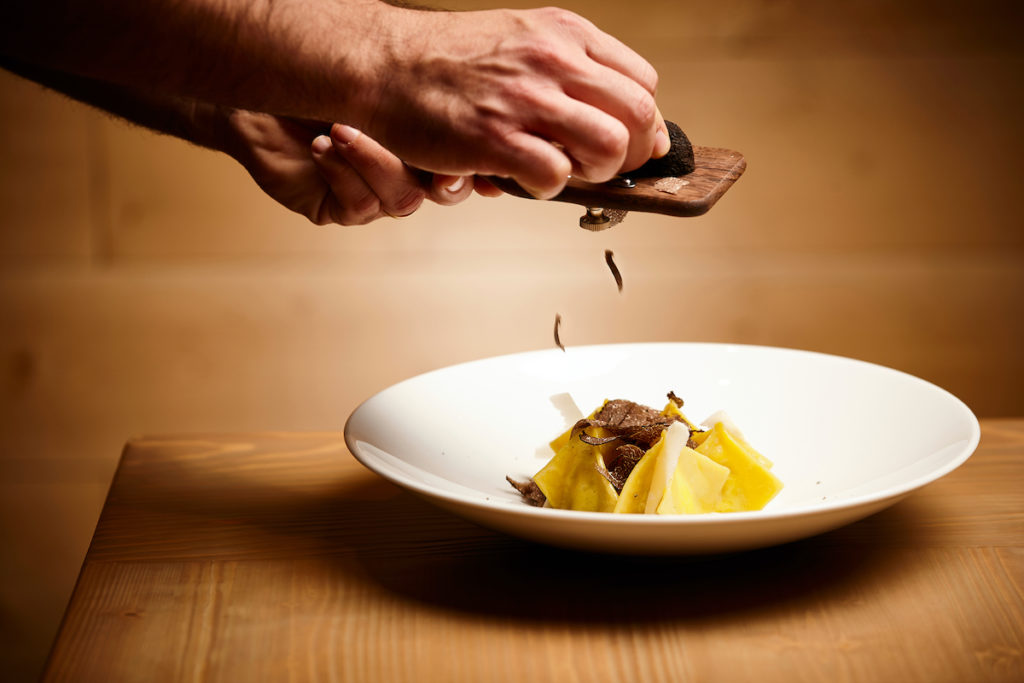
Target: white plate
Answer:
pixel 848 438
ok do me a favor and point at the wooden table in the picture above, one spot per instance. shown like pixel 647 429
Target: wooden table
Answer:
pixel 277 557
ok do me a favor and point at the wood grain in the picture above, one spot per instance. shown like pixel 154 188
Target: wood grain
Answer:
pixel 276 557
pixel 716 170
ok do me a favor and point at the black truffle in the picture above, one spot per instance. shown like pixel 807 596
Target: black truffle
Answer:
pixel 678 161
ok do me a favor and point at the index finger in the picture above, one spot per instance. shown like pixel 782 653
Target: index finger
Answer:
pixel 609 51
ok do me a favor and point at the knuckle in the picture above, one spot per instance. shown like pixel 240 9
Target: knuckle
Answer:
pixel 547 179
pixel 359 211
pixel 367 204
pixel 499 147
pixel 321 213
pixel 407 203
pixel 564 18
pixel 543 56
pixel 531 99
pixel 613 142
pixel 650 77
pixel 643 109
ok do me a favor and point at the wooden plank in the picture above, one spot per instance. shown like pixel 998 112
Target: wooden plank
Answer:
pixel 944 615
pixel 950 613
pixel 275 557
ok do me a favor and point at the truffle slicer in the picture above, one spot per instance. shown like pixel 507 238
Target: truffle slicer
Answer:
pixel 689 195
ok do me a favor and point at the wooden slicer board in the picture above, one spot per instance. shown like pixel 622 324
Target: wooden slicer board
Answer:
pixel 716 170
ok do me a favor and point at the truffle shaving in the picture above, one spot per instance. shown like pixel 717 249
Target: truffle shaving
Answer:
pixel 670 185
pixel 636 426
pixel 623 461
pixel 620 415
pixel 630 422
pixel 598 441
pixel 609 258
pixel 529 490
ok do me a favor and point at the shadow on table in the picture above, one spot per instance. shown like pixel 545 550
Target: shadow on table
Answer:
pixel 450 563
pixel 397 543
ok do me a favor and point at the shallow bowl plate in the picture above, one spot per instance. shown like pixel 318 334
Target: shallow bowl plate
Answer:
pixel 848 438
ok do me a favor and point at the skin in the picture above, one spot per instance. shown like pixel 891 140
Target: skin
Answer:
pixel 428 102
pixel 344 177
pixel 493 89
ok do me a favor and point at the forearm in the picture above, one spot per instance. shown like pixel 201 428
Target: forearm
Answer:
pixel 201 123
pixel 303 58
pixel 456 93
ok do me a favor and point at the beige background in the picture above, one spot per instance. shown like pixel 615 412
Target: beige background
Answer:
pixel 148 286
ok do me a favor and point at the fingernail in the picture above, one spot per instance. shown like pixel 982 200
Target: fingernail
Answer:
pixel 662 143
pixel 539 194
pixel 321 144
pixel 344 135
pixel 457 184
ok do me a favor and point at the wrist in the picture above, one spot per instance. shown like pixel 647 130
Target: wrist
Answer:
pixel 377 62
pixel 209 125
pixel 406 72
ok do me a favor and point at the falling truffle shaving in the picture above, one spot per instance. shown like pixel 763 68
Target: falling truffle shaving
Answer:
pixel 558 323
pixel 609 258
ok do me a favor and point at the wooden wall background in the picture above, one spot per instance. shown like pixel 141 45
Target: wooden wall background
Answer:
pixel 148 286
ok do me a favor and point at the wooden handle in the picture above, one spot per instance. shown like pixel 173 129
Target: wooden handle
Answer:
pixel 717 169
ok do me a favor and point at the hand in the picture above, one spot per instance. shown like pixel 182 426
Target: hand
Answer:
pixel 491 91
pixel 351 180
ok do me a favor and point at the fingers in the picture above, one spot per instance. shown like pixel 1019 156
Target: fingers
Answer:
pixel 349 200
pixel 616 81
pixel 662 140
pixel 591 95
pixel 596 143
pixel 448 190
pixel 367 182
pixel 540 168
pixel 397 188
pixel 641 132
pixel 485 188
pixel 490 92
pixel 614 54
pixel 599 142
